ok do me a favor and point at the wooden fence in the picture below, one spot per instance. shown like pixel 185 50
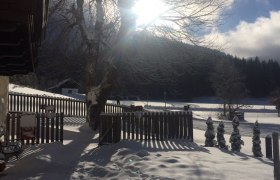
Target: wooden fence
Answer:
pixel 47 130
pixel 145 126
pixel 68 106
pixel 275 139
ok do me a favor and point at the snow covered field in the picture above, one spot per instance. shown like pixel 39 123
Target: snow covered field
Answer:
pixel 81 158
pixel 263 111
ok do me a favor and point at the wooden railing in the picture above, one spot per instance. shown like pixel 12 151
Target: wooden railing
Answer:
pixel 145 126
pixel 36 103
pixel 68 106
pixel 47 129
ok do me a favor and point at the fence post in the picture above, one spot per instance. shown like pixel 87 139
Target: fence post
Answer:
pixel 190 126
pixel 43 128
pixel 276 155
pixel 38 128
pixel 47 128
pixel 61 127
pixel 268 146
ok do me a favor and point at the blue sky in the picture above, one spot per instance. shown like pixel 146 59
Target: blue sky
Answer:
pixel 251 29
pixel 249 11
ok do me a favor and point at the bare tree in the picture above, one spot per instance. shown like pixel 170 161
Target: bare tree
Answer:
pixel 228 84
pixel 103 30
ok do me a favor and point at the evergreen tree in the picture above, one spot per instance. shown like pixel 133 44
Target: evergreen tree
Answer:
pixel 256 141
pixel 235 138
pixel 220 136
pixel 210 134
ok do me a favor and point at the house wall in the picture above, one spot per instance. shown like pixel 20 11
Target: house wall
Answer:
pixel 4 90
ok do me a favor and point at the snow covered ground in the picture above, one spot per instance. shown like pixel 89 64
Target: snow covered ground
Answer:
pixel 81 158
pixel 263 111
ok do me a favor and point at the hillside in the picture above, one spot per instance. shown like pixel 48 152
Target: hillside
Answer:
pixel 154 66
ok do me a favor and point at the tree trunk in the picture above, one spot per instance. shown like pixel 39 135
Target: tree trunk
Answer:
pixel 97 96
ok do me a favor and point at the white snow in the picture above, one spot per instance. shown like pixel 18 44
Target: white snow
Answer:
pixel 26 90
pixel 81 158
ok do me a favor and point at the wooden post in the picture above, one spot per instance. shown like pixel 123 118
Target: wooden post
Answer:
pixel 52 129
pixel 276 155
pixel 161 125
pixel 278 108
pixel 119 127
pixel 13 124
pixel 18 127
pixel 43 129
pixel 37 128
pixel 132 125
pixel 165 128
pixel 149 120
pixel 128 124
pixel 177 125
pixel 190 126
pixel 8 126
pixel 147 128
pixel 141 126
pixel 61 127
pixel 56 126
pixel 156 128
pixel 47 129
pixel 136 117
pixel 146 125
pixel 268 147
pixel 124 125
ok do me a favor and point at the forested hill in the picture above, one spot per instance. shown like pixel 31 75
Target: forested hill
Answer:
pixel 157 65
pixel 184 71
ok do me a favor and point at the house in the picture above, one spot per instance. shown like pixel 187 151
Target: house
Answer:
pixel 66 87
pixel 22 26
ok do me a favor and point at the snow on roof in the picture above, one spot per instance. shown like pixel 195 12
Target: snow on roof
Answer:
pixel 13 88
pixel 63 82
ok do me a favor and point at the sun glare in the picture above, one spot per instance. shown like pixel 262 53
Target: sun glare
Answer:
pixel 148 11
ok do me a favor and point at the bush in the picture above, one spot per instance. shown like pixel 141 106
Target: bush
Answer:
pixel 235 138
pixel 210 134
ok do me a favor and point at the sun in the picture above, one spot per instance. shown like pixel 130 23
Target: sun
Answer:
pixel 147 11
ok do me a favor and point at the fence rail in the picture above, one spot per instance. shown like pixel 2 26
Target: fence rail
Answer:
pixel 145 126
pixel 47 129
pixel 68 106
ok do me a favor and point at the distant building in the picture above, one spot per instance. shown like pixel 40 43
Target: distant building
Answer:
pixel 66 87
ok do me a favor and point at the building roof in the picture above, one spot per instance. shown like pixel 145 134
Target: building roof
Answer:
pixel 67 82
pixel 276 101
